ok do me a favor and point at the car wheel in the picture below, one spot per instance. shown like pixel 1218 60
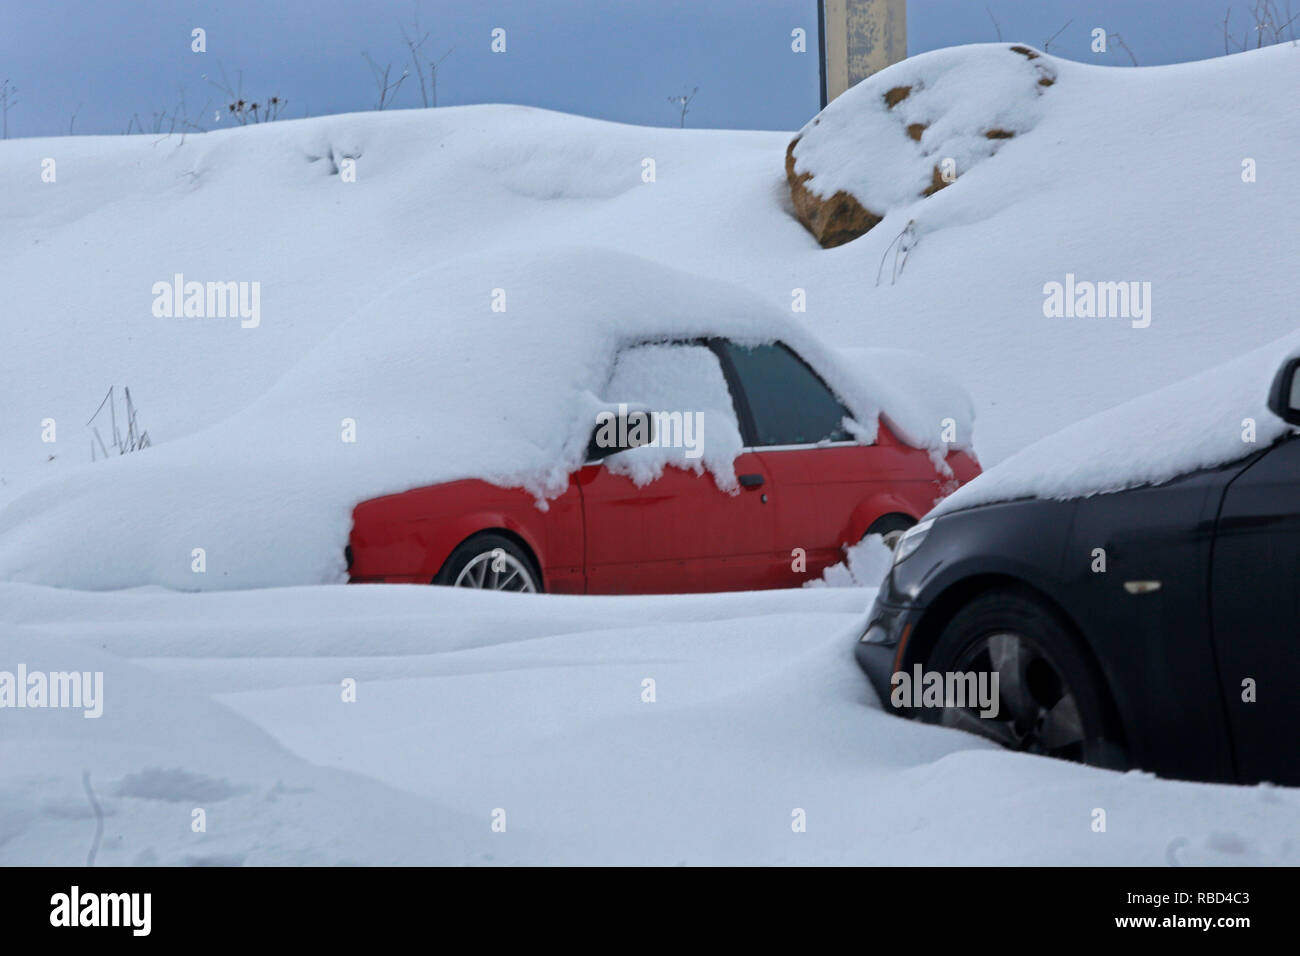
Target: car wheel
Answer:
pixel 1051 697
pixel 890 528
pixel 490 562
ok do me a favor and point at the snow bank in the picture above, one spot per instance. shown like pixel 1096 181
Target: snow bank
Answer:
pixel 470 701
pixel 865 565
pixel 923 402
pixel 437 386
pixel 1116 180
pixel 1210 419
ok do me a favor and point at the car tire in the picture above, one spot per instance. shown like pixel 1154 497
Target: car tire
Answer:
pixel 1052 698
pixel 890 528
pixel 490 562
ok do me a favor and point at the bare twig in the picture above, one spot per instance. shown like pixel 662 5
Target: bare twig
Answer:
pixel 901 244
pixel 7 102
pixel 1124 46
pixel 384 89
pixel 996 26
pixel 245 111
pixel 1271 25
pixel 99 819
pixel 684 101
pixel 1048 42
pixel 423 65
pixel 136 438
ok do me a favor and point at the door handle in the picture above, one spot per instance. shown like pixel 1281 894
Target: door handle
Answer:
pixel 751 481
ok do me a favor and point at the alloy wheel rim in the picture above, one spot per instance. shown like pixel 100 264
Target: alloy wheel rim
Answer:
pixel 1037 710
pixel 496 570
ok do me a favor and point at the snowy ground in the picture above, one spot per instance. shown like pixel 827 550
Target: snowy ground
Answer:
pixel 232 702
pixel 469 703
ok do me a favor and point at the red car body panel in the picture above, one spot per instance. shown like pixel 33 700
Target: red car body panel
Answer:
pixel 679 533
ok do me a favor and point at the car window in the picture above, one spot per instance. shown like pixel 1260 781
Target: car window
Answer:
pixel 667 375
pixel 683 385
pixel 790 404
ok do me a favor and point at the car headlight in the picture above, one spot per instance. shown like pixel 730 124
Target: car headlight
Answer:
pixel 911 540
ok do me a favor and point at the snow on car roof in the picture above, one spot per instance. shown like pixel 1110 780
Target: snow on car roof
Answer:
pixel 1209 419
pixel 485 367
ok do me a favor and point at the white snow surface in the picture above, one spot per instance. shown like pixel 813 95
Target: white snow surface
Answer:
pixel 1116 180
pixel 468 703
pixel 865 565
pixel 376 305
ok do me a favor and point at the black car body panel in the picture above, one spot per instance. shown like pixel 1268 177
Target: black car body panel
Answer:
pixel 1213 559
pixel 1256 613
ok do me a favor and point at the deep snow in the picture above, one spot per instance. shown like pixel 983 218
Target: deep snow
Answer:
pixel 432 384
pixel 1118 179
pixel 468 703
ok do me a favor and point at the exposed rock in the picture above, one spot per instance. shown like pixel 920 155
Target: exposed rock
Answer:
pixel 937 182
pixel 896 95
pixel 833 221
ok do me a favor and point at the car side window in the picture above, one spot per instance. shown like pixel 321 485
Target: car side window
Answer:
pixel 685 390
pixel 790 404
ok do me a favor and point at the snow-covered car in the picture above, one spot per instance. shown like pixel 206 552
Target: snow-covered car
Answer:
pixel 1152 626
pixel 809 483
pixel 465 399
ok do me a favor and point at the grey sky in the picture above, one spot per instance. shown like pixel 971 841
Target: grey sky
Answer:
pixel 107 60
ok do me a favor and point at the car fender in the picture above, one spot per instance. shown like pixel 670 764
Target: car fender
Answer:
pixel 439 537
pixel 873 507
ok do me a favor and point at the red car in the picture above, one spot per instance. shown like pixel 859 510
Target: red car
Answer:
pixel 805 489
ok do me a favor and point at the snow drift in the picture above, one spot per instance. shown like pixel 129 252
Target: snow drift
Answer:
pixel 436 385
pixel 471 701
pixel 1110 176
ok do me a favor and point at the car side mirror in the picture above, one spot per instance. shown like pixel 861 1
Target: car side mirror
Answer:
pixel 619 431
pixel 1284 396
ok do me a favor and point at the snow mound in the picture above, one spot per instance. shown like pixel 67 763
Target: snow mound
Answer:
pixel 435 385
pixel 1142 188
pixel 471 700
pixel 865 565
pixel 886 140
pixel 1209 419
pixel 926 406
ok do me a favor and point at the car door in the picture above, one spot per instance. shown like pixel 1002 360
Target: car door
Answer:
pixel 1255 588
pixel 820 473
pixel 656 519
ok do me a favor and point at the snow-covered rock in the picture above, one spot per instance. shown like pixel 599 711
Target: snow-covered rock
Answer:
pixel 909 131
